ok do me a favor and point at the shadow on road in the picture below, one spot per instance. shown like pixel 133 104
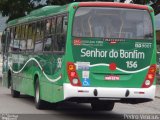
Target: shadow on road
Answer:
pixel 65 110
pixel 84 111
pixel 69 111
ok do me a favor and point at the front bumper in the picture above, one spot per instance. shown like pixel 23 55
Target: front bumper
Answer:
pixel 105 92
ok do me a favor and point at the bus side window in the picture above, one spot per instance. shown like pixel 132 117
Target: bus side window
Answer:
pixel 64 27
pixel 14 44
pixel 48 37
pixel 55 37
pixel 43 27
pixel 30 37
pixel 57 43
pixel 53 25
pixel 39 37
pixel 12 34
pixel 65 24
pixel 17 39
pixel 59 25
pixel 48 27
pixel 61 28
pixel 23 40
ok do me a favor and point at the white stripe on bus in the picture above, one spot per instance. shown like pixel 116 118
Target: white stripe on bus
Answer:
pixel 136 71
pixel 33 59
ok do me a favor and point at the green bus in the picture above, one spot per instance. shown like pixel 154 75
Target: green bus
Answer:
pixel 89 52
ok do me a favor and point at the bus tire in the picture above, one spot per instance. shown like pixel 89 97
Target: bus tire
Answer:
pixel 102 105
pixel 14 93
pixel 38 102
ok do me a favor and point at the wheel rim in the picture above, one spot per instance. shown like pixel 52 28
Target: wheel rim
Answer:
pixel 37 94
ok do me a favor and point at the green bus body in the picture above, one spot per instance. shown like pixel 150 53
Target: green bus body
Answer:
pixel 74 61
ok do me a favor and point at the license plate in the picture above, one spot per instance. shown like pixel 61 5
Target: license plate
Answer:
pixel 112 77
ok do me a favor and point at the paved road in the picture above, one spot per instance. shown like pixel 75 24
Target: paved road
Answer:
pixel 69 111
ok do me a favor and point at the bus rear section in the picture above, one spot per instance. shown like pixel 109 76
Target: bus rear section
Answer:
pixel 113 51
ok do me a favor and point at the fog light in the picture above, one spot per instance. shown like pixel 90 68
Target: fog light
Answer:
pixel 147 82
pixel 75 81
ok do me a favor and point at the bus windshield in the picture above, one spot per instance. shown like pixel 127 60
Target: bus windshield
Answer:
pixel 112 23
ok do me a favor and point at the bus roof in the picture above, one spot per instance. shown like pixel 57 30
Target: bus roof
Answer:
pixel 48 11
pixel 43 12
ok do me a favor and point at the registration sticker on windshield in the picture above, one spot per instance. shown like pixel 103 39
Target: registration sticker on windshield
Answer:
pixel 112 77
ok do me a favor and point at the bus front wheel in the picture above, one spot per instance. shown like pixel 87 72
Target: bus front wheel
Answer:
pixel 102 105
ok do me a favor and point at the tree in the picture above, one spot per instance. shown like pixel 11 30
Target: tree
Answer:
pixel 62 2
pixel 154 3
pixel 19 8
pixel 58 2
pixel 16 8
pixel 139 1
pixel 156 7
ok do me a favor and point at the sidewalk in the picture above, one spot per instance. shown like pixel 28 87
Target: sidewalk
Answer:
pixel 158 91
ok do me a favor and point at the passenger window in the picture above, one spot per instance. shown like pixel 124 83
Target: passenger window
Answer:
pixel 39 37
pixel 61 29
pixel 53 25
pixel 50 30
pixel 14 43
pixel 31 36
pixel 65 23
pixel 12 34
pixel 48 26
pixel 59 25
pixel 23 40
pixel 48 44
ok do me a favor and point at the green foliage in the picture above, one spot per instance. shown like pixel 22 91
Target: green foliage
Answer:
pixel 59 2
pixel 156 7
pixel 63 2
pixel 18 8
pixel 15 8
